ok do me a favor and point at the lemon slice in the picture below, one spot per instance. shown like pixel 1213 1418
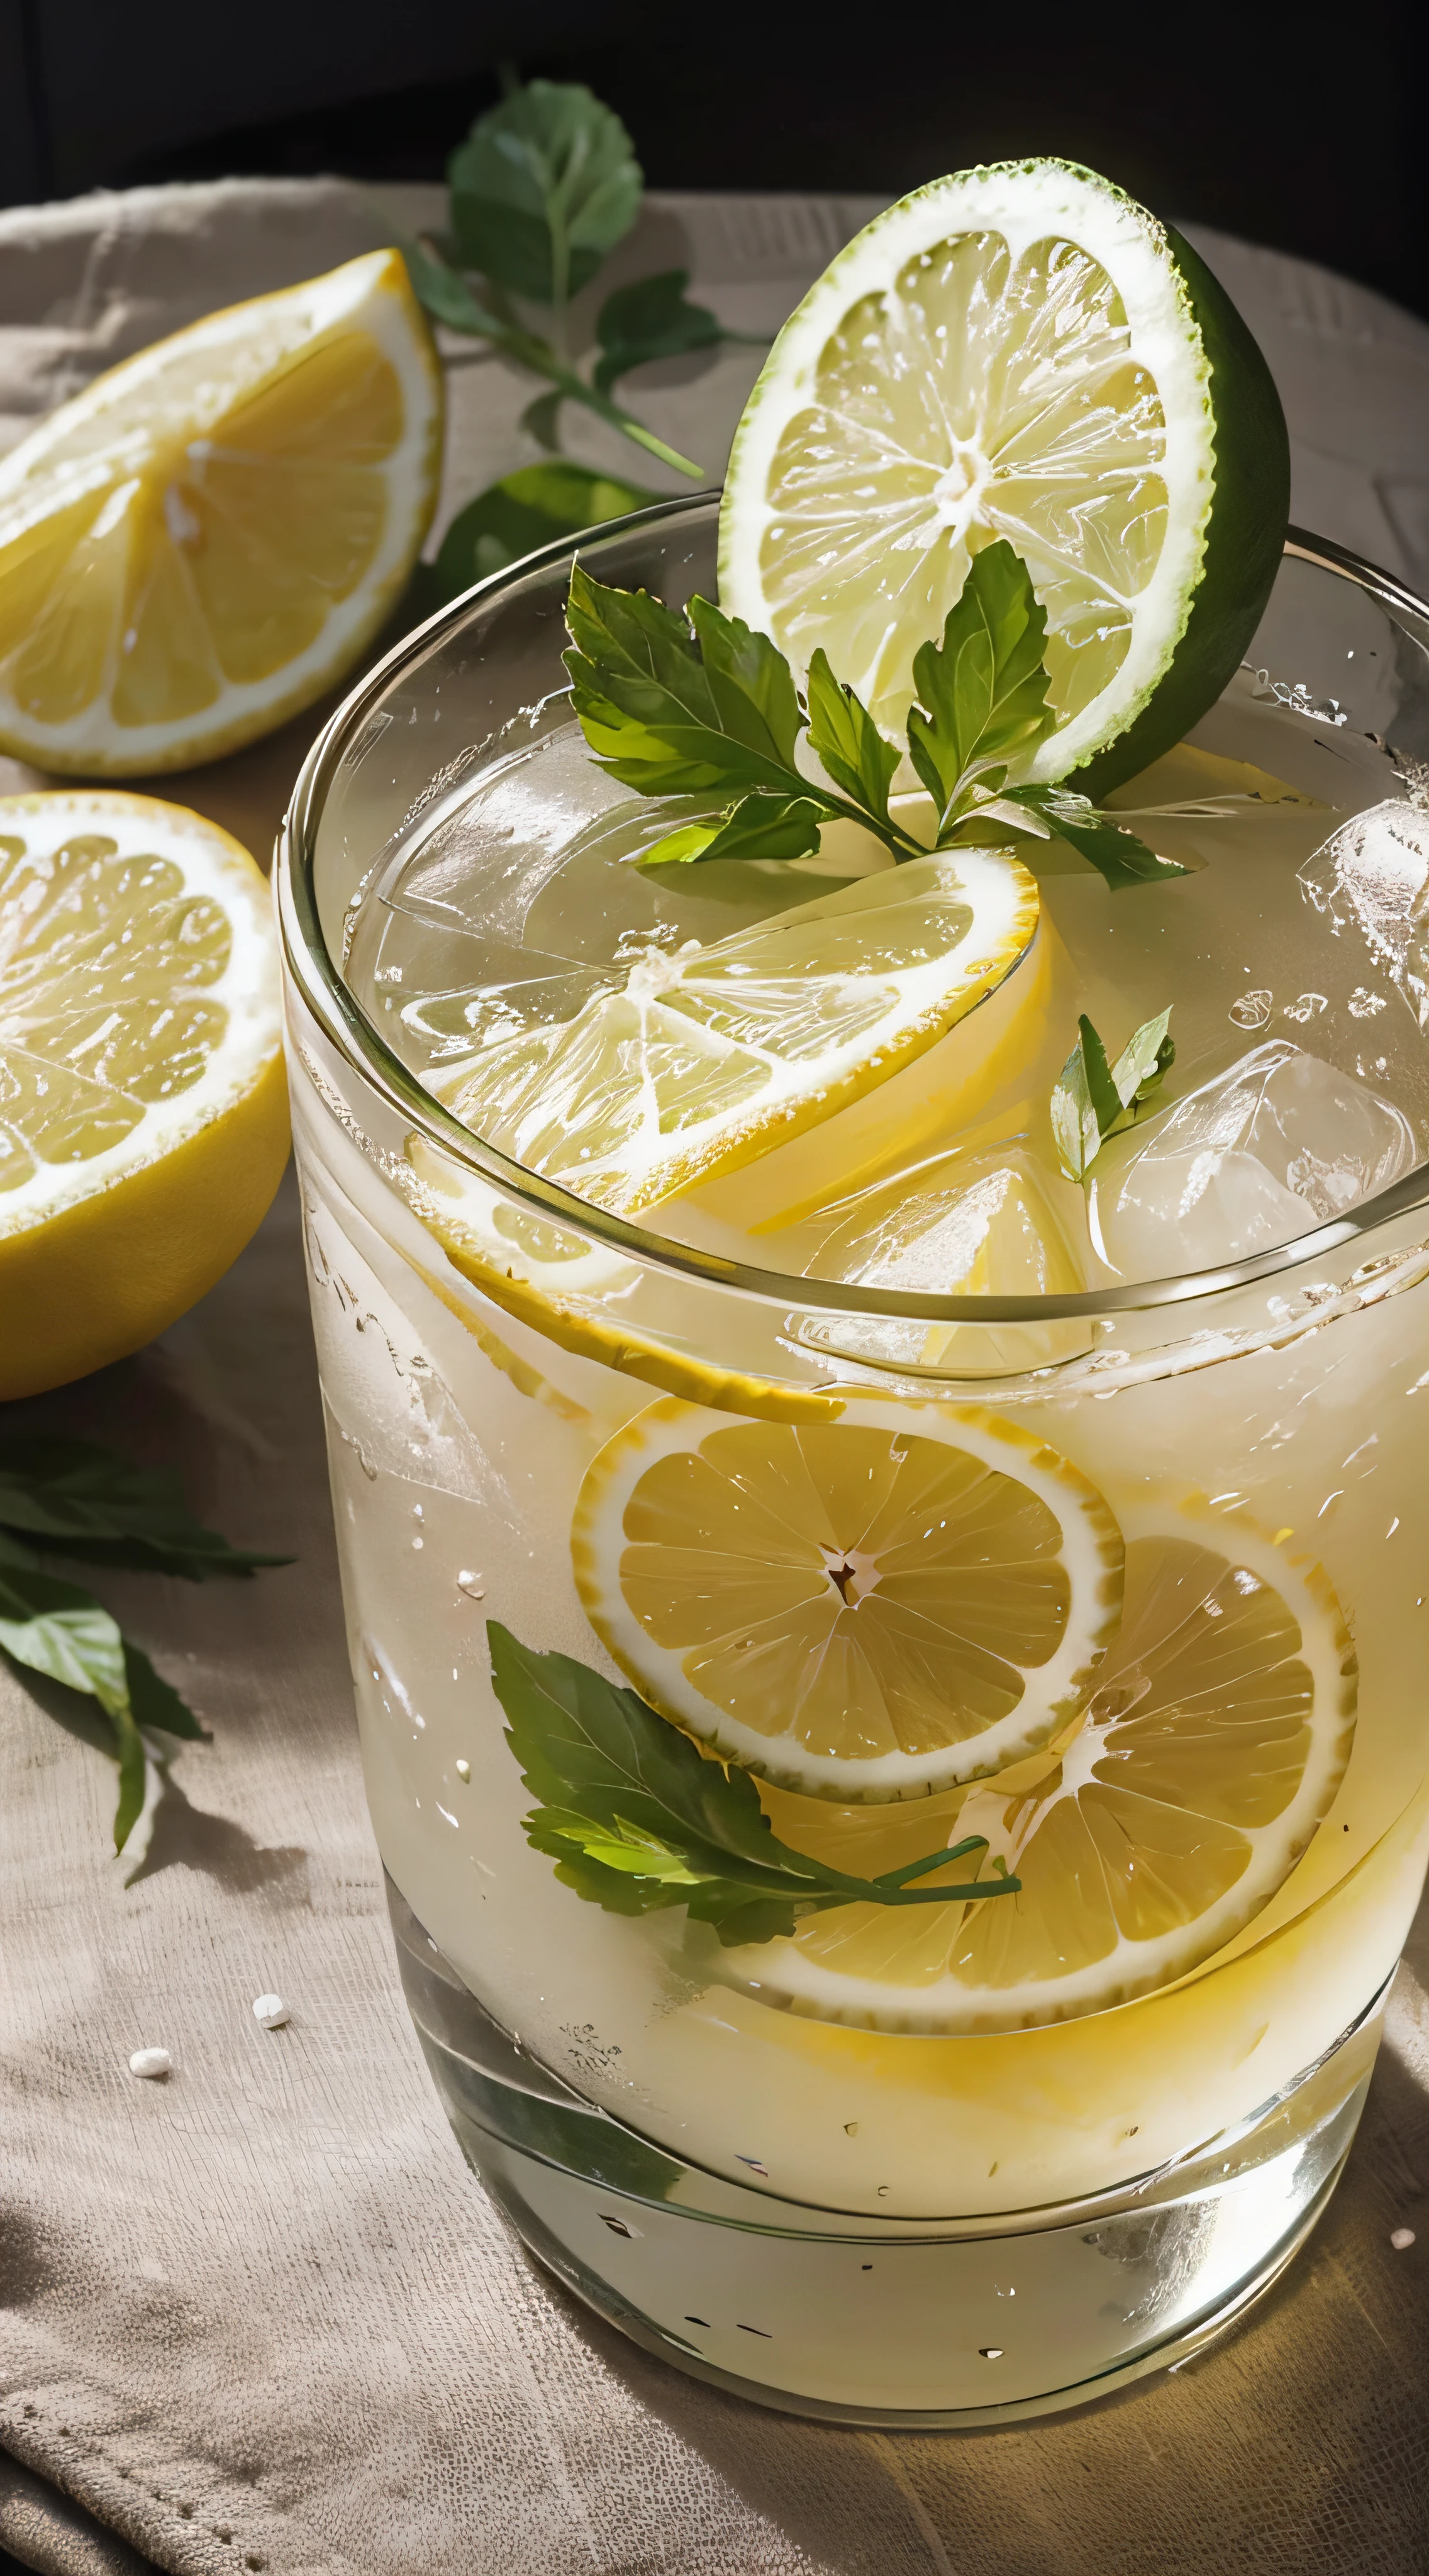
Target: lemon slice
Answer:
pixel 1213 1746
pixel 873 1608
pixel 201 541
pixel 711 1055
pixel 502 1241
pixel 143 1109
pixel 1016 352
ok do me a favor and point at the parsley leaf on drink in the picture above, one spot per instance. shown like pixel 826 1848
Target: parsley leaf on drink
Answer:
pixel 696 703
pixel 636 1818
pixel 1094 1099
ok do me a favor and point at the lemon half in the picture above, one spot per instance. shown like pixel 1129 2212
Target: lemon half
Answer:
pixel 873 1608
pixel 198 544
pixel 143 1107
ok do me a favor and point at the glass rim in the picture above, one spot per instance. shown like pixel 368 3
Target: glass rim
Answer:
pixel 358 1041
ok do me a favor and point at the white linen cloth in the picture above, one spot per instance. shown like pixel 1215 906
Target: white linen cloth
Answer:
pixel 260 2316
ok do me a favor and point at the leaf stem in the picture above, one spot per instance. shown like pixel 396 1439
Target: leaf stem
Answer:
pixel 934 1860
pixel 450 300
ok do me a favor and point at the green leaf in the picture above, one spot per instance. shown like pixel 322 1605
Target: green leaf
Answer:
pixel 847 740
pixel 1122 859
pixel 1093 1099
pixel 588 1747
pixel 530 508
pixel 156 1703
pixel 750 681
pixel 133 1775
pixel 636 1817
pixel 60 1630
pixel 652 319
pixel 450 300
pixel 672 712
pixel 447 297
pixel 541 420
pixel 1144 1060
pixel 542 188
pixel 762 825
pixel 701 704
pixel 78 1499
pixel 982 692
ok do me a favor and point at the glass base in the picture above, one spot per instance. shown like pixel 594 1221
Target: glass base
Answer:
pixel 931 2323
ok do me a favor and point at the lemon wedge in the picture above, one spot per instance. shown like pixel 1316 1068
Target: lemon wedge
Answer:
pixel 709 1056
pixel 143 1108
pixel 1214 1743
pixel 870 1608
pixel 199 543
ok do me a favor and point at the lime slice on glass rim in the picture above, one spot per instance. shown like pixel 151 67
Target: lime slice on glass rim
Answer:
pixel 1019 351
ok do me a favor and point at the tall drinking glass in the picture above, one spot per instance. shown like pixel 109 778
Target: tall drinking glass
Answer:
pixel 856 2200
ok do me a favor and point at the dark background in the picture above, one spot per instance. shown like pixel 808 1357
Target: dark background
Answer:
pixel 1300 126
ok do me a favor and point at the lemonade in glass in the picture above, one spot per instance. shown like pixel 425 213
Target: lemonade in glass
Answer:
pixel 878 1550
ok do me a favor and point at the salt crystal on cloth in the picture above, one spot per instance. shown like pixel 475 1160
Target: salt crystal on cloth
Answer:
pixel 259 2316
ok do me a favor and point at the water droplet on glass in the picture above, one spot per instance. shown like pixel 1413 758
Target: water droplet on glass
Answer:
pixel 469 1581
pixel 1252 1010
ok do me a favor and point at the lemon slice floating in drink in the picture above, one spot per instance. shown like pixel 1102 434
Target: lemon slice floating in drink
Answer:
pixel 709 1056
pixel 199 543
pixel 872 1608
pixel 143 1106
pixel 1212 1746
pixel 1016 352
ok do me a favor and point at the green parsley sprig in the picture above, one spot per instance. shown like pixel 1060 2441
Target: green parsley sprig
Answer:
pixel 542 189
pixel 698 704
pixel 636 1818
pixel 1093 1099
pixel 72 1498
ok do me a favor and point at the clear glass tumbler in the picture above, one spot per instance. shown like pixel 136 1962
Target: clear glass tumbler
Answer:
pixel 720 2149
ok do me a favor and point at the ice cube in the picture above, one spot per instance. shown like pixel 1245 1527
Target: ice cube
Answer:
pixel 1253 1158
pixel 1373 876
pixel 964 1225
